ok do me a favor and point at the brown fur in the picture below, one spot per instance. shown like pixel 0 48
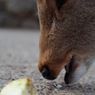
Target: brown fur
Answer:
pixel 66 32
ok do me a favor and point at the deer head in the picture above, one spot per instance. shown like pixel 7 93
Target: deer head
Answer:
pixel 67 37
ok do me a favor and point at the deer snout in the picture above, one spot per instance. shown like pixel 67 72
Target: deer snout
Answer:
pixel 47 74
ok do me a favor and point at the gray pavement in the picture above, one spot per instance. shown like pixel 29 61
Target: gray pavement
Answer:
pixel 19 56
pixel 18 52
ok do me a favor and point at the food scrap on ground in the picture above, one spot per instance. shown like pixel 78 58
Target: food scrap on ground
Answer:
pixel 19 87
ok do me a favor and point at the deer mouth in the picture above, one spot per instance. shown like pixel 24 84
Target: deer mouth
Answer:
pixel 69 71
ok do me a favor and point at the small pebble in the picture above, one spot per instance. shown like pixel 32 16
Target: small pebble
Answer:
pixel 58 86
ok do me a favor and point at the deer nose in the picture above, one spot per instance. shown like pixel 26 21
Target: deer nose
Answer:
pixel 47 74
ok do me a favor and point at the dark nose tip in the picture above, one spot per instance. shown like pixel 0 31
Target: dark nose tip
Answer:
pixel 46 73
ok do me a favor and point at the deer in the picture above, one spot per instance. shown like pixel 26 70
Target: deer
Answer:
pixel 67 38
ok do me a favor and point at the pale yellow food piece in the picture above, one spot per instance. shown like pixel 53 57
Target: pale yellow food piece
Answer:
pixel 19 87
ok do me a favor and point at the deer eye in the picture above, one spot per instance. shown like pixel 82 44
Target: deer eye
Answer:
pixel 59 3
